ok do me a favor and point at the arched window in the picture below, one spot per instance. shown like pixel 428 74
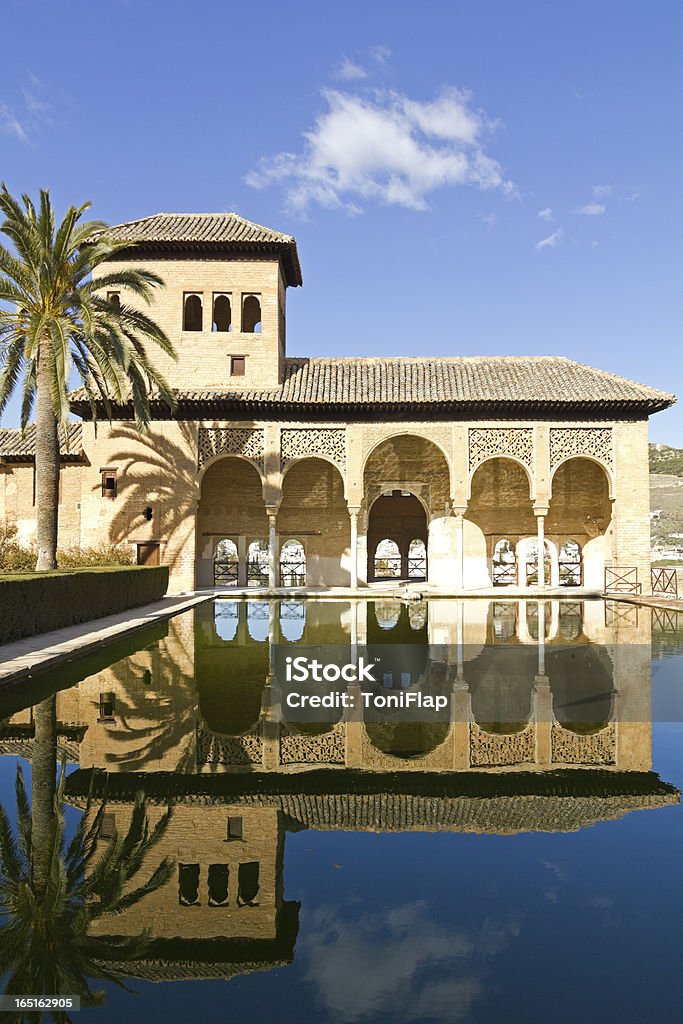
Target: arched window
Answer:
pixel 251 314
pixel 387 560
pixel 188 884
pixel 417 560
pixel 292 564
pixel 225 564
pixel 571 574
pixel 258 621
pixel 248 884
pixel 222 313
pixel 504 567
pixel 257 564
pixel 292 620
pixel 192 312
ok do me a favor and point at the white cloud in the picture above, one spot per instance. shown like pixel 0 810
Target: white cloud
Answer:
pixel 383 146
pixel 601 191
pixel 380 54
pixel 10 124
pixel 546 214
pixel 23 118
pixel 551 241
pixel 489 218
pixel 348 71
pixel 591 209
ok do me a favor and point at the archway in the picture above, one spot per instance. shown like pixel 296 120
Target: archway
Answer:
pixel 406 486
pixel 231 513
pixel 499 514
pixel 579 516
pixel 314 514
pixel 397 523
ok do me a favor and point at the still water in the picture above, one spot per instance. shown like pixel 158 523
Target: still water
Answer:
pixel 514 855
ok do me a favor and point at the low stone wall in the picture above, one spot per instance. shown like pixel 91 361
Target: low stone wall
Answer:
pixel 35 603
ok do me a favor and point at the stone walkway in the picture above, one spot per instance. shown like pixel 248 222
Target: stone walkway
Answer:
pixel 24 657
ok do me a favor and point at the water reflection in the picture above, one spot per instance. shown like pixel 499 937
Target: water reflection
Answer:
pixel 548 730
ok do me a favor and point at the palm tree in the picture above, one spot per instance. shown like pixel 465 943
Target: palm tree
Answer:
pixel 55 316
pixel 45 945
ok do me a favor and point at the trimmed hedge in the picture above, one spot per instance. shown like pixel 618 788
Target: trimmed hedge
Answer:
pixel 34 603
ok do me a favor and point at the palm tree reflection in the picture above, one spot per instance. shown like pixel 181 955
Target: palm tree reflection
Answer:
pixel 52 889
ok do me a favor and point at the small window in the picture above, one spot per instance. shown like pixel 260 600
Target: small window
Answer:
pixel 192 311
pixel 237 366
pixel 218 885
pixel 114 298
pixel 109 483
pixel 251 314
pixel 248 884
pixel 107 705
pixel 188 884
pixel 108 825
pixel 234 828
pixel 222 313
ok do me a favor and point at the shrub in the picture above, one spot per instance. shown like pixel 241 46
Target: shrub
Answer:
pixel 17 557
pixel 39 602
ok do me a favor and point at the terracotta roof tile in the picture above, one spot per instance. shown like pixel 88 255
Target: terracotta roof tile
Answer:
pixel 208 229
pixel 17 446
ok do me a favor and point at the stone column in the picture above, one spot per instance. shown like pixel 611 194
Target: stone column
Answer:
pixel 272 548
pixel 353 515
pixel 459 512
pixel 540 513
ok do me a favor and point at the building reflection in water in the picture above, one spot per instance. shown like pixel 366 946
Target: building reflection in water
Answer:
pixel 548 730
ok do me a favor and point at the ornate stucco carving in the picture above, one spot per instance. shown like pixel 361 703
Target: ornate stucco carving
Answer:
pixel 323 748
pixel 487 442
pixel 230 750
pixel 595 442
pixel 488 749
pixel 301 442
pixel 573 748
pixel 245 441
pixel 439 434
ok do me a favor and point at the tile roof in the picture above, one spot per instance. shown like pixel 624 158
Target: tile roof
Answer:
pixel 208 229
pixel 454 385
pixel 16 446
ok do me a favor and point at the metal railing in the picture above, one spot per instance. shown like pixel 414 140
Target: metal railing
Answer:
pixel 571 573
pixel 225 572
pixel 293 574
pixel 622 581
pixel 388 567
pixel 664 582
pixel 417 567
pixel 504 574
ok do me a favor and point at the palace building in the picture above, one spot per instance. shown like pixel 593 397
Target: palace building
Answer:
pixel 459 473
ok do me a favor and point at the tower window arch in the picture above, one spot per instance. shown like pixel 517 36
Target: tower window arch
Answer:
pixel 251 314
pixel 222 313
pixel 192 311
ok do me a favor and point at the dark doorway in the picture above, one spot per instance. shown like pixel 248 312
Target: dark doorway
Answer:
pixel 397 538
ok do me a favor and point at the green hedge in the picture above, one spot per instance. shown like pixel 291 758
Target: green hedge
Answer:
pixel 33 603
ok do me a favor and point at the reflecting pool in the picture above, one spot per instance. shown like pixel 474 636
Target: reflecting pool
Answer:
pixel 485 826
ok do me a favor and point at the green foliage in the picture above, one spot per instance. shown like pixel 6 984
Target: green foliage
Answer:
pixel 45 945
pixel 665 459
pixel 50 306
pixel 19 558
pixel 40 602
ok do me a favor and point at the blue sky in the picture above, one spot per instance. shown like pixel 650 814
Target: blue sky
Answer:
pixel 464 177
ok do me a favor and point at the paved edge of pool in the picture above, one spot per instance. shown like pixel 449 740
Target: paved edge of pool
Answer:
pixel 22 658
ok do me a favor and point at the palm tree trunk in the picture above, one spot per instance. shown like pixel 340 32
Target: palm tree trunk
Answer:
pixel 47 466
pixel 43 788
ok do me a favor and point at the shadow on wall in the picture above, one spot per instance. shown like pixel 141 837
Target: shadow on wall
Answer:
pixel 157 473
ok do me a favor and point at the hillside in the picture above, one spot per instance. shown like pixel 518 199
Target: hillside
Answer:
pixel 666 494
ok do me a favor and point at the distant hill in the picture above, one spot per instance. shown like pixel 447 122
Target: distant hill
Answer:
pixel 664 459
pixel 666 495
